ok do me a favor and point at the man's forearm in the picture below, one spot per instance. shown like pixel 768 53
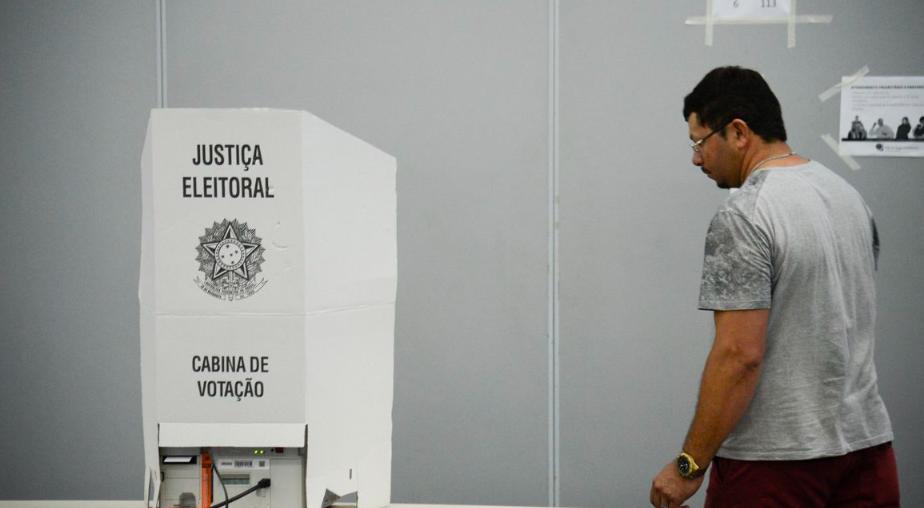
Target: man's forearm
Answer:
pixel 726 389
pixel 729 380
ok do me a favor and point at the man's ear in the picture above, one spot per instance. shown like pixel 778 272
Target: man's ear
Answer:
pixel 741 133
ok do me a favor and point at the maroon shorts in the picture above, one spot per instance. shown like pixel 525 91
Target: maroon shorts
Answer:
pixel 863 478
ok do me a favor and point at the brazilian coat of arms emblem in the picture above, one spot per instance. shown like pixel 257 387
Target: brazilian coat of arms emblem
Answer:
pixel 229 256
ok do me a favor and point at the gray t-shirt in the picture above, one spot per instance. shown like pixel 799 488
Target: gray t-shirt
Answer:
pixel 800 241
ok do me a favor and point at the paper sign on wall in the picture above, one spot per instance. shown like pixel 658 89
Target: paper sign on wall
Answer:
pixel 733 9
pixel 883 116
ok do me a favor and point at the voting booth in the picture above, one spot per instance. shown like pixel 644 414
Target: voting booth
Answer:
pixel 267 291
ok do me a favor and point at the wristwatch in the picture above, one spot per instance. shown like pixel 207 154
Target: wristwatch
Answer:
pixel 687 467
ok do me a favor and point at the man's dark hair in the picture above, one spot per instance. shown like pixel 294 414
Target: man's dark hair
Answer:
pixel 733 92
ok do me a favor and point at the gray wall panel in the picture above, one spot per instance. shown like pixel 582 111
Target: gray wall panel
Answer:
pixel 76 84
pixel 457 91
pixel 635 210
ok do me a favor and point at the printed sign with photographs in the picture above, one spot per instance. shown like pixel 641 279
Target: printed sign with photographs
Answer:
pixel 883 116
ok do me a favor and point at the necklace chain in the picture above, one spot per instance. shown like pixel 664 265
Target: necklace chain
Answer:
pixel 768 159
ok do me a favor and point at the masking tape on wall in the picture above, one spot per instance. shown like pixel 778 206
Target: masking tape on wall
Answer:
pixel 845 82
pixel 709 23
pixel 791 21
pixel 850 161
pixel 801 19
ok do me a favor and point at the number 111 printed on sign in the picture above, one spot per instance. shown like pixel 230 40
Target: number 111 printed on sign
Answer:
pixel 750 8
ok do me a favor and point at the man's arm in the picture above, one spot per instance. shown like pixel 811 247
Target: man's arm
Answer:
pixel 729 380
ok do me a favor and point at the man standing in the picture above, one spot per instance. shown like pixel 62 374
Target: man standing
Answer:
pixel 881 131
pixel 789 413
pixel 919 129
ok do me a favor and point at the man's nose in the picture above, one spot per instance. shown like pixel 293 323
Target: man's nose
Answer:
pixel 697 158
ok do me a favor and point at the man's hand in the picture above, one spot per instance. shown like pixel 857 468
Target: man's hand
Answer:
pixel 669 489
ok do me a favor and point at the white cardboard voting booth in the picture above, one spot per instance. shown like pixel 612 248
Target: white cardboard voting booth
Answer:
pixel 267 290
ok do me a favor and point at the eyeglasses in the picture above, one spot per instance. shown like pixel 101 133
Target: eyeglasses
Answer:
pixel 697 146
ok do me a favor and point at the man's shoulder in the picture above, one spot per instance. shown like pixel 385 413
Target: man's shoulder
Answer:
pixel 769 193
pixel 773 188
pixel 743 200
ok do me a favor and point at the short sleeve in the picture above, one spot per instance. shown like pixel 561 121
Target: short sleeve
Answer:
pixel 737 265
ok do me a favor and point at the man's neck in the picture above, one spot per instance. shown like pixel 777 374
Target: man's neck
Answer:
pixel 767 155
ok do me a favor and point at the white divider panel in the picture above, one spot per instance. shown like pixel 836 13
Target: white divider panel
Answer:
pixel 267 292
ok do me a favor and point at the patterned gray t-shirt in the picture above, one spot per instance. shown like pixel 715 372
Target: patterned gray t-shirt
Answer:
pixel 800 241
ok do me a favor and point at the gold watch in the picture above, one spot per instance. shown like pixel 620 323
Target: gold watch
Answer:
pixel 687 467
